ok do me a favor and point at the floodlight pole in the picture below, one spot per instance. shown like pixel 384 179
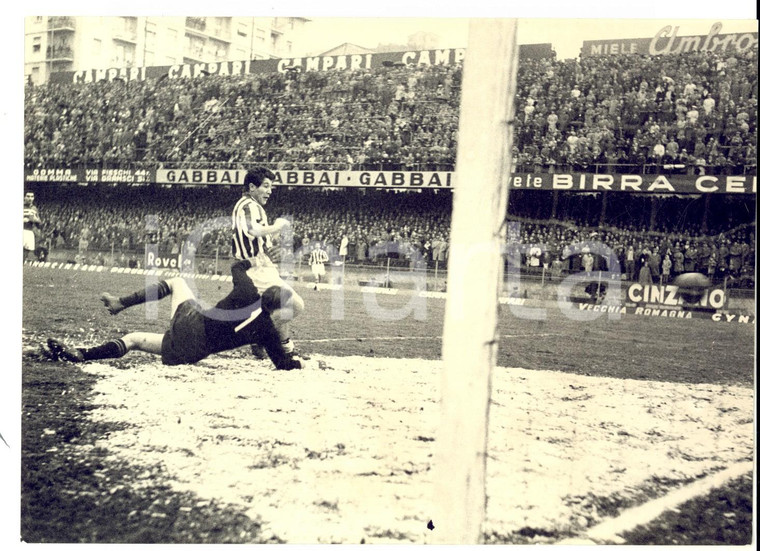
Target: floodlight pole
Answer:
pixel 470 334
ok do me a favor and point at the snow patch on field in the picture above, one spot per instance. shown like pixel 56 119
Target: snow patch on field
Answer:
pixel 345 454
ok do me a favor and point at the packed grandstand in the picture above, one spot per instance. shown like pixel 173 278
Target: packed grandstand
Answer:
pixel 685 115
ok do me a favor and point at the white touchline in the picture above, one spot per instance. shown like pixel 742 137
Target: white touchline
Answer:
pixel 531 335
pixel 608 531
pixel 368 339
pixel 338 339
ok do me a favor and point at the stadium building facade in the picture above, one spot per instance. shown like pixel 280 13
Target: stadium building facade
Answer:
pixel 65 43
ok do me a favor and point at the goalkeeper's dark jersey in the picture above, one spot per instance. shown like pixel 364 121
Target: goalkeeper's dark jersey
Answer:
pixel 234 309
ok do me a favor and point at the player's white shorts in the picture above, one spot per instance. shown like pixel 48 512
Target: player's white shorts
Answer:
pixel 29 240
pixel 264 277
pixel 318 269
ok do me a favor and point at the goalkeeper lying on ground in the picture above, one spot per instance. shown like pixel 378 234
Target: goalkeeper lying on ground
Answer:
pixel 241 318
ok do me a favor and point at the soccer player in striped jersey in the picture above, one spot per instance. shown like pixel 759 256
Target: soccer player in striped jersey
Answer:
pixel 252 240
pixel 32 222
pixel 317 260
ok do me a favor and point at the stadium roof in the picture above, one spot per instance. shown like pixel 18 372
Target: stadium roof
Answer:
pixel 347 49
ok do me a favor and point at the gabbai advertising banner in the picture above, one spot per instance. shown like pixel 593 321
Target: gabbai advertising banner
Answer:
pixel 312 178
pixel 375 179
pixel 198 176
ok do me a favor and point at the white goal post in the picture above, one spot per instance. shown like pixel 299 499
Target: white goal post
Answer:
pixel 470 334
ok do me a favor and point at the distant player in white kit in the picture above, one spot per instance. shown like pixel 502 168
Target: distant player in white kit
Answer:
pixel 252 240
pixel 317 260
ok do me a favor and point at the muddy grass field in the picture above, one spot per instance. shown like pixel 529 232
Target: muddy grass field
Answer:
pixel 588 420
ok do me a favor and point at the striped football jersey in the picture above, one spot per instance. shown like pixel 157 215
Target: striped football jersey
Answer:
pixel 318 256
pixel 246 246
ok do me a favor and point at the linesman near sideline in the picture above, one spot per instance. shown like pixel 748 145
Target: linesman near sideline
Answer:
pixel 32 223
pixel 252 241
pixel 317 260
pixel 241 318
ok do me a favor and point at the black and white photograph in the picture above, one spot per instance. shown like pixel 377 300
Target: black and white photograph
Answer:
pixel 383 279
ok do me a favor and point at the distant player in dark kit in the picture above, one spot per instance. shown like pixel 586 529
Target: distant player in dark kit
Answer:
pixel 241 318
pixel 32 223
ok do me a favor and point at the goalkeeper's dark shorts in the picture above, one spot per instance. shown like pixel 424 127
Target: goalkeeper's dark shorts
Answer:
pixel 185 340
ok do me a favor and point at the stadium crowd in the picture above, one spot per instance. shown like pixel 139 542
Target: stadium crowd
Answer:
pixel 112 225
pixel 694 112
pixel 691 112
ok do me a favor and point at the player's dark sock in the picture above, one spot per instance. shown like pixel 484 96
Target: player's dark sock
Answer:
pixel 290 350
pixel 156 291
pixel 111 349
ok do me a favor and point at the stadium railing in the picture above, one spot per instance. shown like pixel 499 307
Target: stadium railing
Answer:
pixel 383 270
pixel 540 288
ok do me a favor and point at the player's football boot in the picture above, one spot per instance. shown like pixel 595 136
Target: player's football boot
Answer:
pixel 40 354
pixel 296 361
pixel 290 363
pixel 258 352
pixel 61 351
pixel 112 303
